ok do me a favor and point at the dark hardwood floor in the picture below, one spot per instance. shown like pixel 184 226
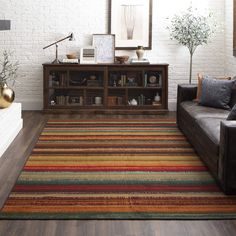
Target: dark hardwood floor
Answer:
pixel 12 162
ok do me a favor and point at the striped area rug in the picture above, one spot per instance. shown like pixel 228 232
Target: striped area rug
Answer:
pixel 115 169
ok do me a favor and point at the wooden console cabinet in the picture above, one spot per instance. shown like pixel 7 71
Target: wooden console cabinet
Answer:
pixel 106 88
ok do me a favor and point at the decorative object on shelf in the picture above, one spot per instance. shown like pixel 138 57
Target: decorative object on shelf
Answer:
pixel 88 55
pixel 92 77
pixel 70 37
pixel 131 81
pixel 71 59
pixel 132 78
pixel 152 79
pixel 105 47
pixel 8 74
pixel 111 100
pixel 191 29
pixel 157 98
pixel 140 52
pixel 81 100
pixel 5 24
pixel 133 102
pixel 121 59
pixel 52 103
pixel 76 100
pixel 131 22
pixel 71 56
pixel 98 100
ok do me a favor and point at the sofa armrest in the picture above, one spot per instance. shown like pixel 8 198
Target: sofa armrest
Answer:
pixel 186 92
pixel 227 160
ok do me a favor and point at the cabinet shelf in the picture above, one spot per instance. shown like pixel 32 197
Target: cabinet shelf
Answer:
pixel 147 88
pixel 127 87
pixel 84 87
pixel 105 88
pixel 54 87
pixel 76 87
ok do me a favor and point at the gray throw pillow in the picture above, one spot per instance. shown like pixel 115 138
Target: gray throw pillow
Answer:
pixel 232 114
pixel 216 93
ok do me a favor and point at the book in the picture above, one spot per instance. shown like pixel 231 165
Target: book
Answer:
pixel 73 61
pixel 136 61
pixel 145 80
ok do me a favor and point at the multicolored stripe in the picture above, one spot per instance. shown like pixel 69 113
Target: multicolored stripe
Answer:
pixel 115 169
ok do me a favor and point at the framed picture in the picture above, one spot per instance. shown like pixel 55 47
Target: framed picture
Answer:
pixel 88 55
pixel 131 22
pixel 105 47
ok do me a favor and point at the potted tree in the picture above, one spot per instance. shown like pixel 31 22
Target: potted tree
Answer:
pixel 191 29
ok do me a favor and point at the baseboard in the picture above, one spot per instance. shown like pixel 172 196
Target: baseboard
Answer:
pixel 37 105
pixel 31 104
pixel 172 105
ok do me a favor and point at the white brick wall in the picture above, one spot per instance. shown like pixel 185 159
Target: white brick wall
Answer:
pixel 37 23
pixel 230 60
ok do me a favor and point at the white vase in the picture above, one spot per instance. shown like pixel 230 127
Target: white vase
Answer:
pixel 140 52
pixel 157 98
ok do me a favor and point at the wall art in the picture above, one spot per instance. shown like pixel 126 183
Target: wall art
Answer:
pixel 105 47
pixel 131 22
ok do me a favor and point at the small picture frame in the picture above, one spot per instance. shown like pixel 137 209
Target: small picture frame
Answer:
pixel 105 47
pixel 88 55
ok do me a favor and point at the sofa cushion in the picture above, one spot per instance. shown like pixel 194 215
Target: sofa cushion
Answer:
pixel 233 96
pixel 199 86
pixel 197 136
pixel 211 126
pixel 197 111
pixel 232 114
pixel 216 93
pixel 200 78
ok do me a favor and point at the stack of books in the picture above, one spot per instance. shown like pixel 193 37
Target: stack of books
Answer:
pixel 70 61
pixel 136 61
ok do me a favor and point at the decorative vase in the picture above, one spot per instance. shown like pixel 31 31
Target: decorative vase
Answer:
pixel 140 52
pixel 157 98
pixel 7 96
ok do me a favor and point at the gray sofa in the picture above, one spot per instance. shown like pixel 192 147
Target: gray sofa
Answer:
pixel 213 137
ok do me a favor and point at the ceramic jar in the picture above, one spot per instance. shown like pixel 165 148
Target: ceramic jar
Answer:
pixel 98 100
pixel 157 98
pixel 140 52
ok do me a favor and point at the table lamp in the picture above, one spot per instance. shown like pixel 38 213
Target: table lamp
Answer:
pixel 70 37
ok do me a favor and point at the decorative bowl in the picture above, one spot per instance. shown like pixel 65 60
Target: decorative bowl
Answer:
pixel 122 59
pixel 71 56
